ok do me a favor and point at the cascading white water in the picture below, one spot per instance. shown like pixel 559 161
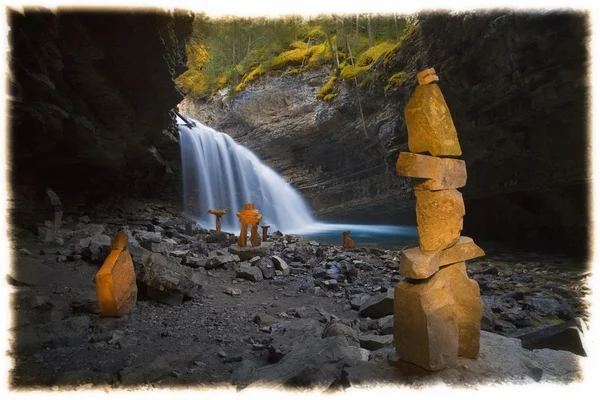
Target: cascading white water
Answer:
pixel 221 174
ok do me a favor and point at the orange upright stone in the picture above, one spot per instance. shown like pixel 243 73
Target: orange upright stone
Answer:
pixel 265 229
pixel 115 281
pixel 249 216
pixel 348 243
pixel 218 214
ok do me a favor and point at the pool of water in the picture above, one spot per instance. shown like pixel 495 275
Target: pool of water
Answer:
pixel 380 236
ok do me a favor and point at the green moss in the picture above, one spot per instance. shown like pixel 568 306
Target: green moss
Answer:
pixel 327 88
pixel 372 54
pixel 329 97
pixel 399 78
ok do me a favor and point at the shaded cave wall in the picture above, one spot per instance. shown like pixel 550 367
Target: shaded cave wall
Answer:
pixel 90 113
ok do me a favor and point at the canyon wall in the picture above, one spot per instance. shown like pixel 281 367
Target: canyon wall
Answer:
pixel 517 88
pixel 91 100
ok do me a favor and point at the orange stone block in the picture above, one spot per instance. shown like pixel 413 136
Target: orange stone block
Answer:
pixel 429 123
pixel 465 249
pixel 440 173
pixel 425 323
pixel 468 307
pixel 439 218
pixel 347 242
pixel 115 282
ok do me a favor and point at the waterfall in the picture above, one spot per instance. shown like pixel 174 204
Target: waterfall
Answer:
pixel 218 173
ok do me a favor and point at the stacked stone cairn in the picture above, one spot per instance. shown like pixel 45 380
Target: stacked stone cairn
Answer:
pixel 437 308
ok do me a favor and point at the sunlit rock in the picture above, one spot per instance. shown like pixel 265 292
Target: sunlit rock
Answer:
pixel 439 218
pixel 440 173
pixel 429 123
pixel 115 281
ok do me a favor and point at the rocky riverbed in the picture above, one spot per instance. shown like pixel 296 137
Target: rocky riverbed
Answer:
pixel 292 313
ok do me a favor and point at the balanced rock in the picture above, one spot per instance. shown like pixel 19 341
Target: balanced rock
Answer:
pixel 426 324
pixel 465 249
pixel 416 264
pixel 430 126
pixel 439 218
pixel 468 307
pixel 440 173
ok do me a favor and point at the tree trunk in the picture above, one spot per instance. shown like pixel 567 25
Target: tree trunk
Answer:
pixel 370 28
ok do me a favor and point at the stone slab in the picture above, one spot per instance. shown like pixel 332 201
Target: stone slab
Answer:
pixel 439 218
pixel 439 173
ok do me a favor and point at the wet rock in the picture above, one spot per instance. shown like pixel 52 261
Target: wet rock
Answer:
pixel 339 329
pixel 378 306
pixel 490 271
pixel 250 273
pixel 567 336
pixel 249 252
pixel 70 332
pixel 525 278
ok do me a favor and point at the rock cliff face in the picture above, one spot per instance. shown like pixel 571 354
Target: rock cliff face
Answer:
pixel 517 89
pixel 91 100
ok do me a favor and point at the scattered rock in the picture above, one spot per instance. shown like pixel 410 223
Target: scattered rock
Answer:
pixel 263 319
pixel 385 325
pixel 339 329
pixel 567 336
pixel 166 274
pixel 378 306
pixel 280 265
pixel 70 332
pixel 250 273
pixel 232 291
pixel 95 249
pixel 375 342
pixel 249 252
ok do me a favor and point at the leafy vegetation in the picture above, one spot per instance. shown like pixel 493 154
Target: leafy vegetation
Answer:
pixel 232 52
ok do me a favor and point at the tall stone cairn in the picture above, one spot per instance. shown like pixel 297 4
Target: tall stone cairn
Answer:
pixel 437 308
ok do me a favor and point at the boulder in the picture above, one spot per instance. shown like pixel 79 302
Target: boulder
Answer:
pixel 439 173
pixel 425 323
pixel 375 342
pixel 385 325
pixel 429 123
pixel 439 218
pixel 286 334
pixel 248 272
pixel 314 367
pixel 567 336
pixel 357 300
pixel 267 267
pixel 166 274
pixel 378 306
pixel 216 260
pixel 280 265
pixel 249 252
pixel 339 329
pixel 147 238
pixel 95 249
pixel 263 319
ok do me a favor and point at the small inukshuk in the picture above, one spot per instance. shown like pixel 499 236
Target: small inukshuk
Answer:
pixel 437 309
pixel 249 216
pixel 218 214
